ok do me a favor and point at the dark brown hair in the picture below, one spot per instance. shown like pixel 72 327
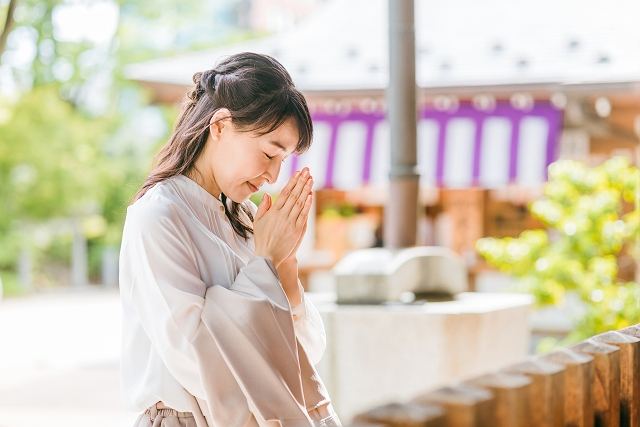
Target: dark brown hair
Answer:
pixel 260 96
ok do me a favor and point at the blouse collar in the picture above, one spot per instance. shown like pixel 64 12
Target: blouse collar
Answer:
pixel 196 190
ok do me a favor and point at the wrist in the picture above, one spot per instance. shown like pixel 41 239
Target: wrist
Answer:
pixel 288 264
pixel 291 261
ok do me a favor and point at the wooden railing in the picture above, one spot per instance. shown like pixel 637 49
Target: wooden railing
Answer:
pixel 592 384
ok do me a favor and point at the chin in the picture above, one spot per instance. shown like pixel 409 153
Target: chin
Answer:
pixel 239 198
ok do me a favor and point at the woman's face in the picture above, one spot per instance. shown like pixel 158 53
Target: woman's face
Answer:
pixel 241 162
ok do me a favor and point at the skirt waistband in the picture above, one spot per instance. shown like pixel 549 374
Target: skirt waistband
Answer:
pixel 162 409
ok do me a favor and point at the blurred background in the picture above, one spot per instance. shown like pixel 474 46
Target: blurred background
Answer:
pixel 528 132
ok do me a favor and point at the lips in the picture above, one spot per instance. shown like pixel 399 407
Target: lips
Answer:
pixel 253 187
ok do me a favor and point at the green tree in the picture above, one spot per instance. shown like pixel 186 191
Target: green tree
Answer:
pixel 591 222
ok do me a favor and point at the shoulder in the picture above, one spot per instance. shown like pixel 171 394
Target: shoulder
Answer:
pixel 155 211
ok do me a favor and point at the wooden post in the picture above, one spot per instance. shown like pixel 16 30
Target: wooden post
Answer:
pixel 464 405
pixel 606 382
pixel 512 398
pixel 634 331
pixel 578 375
pixel 629 374
pixel 404 415
pixel 546 396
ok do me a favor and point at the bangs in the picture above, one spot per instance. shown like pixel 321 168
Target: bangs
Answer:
pixel 285 105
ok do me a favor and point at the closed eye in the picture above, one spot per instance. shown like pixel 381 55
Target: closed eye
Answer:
pixel 271 157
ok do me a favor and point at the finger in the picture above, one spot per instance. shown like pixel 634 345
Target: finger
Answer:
pixel 296 193
pixel 298 205
pixel 304 213
pixel 284 194
pixel 298 200
pixel 263 207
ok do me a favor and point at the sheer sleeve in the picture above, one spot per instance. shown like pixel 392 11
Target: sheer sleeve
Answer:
pixel 159 274
pixel 309 327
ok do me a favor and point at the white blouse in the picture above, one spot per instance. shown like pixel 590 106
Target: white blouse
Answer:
pixel 176 243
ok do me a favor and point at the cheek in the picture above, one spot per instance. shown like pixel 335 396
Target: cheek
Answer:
pixel 247 168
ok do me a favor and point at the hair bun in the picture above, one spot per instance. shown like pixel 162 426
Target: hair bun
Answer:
pixel 205 82
pixel 197 91
pixel 208 81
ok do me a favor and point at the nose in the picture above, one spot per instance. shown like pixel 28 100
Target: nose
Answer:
pixel 273 171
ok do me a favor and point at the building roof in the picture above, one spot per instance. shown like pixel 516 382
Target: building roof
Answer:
pixel 459 43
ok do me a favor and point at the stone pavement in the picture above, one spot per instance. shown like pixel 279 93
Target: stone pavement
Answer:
pixel 59 360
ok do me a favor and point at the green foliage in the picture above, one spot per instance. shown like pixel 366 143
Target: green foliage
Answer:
pixel 339 210
pixel 590 220
pixel 9 286
pixel 76 137
pixel 49 155
pixel 56 162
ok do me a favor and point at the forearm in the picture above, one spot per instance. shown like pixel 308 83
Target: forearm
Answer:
pixel 288 272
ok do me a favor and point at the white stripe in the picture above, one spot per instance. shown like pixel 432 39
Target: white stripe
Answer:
pixel 317 155
pixel 349 158
pixel 458 160
pixel 532 150
pixel 380 155
pixel 494 158
pixel 427 151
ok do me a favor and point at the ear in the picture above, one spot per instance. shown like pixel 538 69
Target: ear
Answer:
pixel 220 119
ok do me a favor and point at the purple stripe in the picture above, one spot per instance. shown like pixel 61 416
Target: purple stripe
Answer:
pixel 442 139
pixel 542 109
pixel 368 150
pixel 294 166
pixel 513 150
pixel 370 120
pixel 333 140
pixel 554 119
pixel 477 151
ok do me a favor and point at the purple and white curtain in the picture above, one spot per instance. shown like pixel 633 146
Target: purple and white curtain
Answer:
pixel 462 148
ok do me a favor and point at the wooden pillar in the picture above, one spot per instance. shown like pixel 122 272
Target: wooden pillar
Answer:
pixel 401 211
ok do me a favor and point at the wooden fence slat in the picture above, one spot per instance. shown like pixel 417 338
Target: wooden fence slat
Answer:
pixel 404 415
pixel 595 382
pixel 578 375
pixel 606 382
pixel 546 396
pixel 464 405
pixel 511 395
pixel 629 374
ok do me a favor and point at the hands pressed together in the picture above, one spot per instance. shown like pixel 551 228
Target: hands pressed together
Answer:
pixel 279 227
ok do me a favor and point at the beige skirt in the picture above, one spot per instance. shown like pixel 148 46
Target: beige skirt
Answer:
pixel 165 417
